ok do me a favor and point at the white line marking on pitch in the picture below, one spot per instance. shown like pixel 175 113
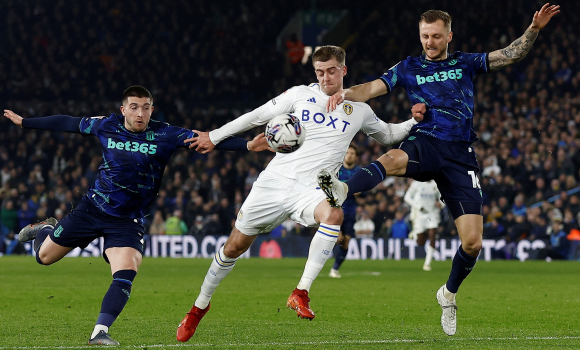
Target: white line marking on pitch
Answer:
pixel 388 341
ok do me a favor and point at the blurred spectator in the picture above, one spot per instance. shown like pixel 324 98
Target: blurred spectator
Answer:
pixel 400 228
pixel 197 228
pixel 364 227
pixel 9 216
pixel 559 246
pixel 157 226
pixel 175 224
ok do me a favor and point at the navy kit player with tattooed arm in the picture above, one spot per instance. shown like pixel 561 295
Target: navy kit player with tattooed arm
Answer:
pixel 441 86
pixel 135 153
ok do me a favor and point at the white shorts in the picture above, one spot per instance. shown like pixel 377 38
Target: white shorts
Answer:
pixel 423 222
pixel 274 198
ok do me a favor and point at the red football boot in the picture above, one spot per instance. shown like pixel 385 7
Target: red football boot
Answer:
pixel 298 301
pixel 189 324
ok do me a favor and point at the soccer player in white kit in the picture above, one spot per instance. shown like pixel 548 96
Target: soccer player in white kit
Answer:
pixel 425 202
pixel 288 186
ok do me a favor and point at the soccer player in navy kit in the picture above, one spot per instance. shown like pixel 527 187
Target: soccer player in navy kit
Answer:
pixel 135 153
pixel 345 172
pixel 440 84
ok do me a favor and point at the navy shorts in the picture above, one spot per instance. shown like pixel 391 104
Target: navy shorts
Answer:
pixel 452 165
pixel 87 222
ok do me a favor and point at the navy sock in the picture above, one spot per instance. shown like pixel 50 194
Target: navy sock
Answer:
pixel 462 265
pixel 40 237
pixel 339 257
pixel 366 178
pixel 116 297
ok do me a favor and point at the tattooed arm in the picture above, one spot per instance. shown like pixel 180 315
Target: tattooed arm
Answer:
pixel 517 50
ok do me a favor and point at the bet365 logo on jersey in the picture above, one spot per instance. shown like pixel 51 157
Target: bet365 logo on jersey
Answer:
pixel 454 74
pixel 132 146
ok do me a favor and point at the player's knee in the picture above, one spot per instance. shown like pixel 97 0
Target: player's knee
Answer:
pixel 43 259
pixel 394 162
pixel 472 245
pixel 333 216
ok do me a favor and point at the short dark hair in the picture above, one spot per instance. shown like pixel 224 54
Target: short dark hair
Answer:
pixel 433 16
pixel 328 52
pixel 136 91
pixel 354 148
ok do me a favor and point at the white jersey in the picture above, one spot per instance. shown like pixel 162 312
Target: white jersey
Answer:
pixel 328 135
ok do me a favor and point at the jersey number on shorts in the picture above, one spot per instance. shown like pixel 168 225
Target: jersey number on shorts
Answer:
pixel 474 179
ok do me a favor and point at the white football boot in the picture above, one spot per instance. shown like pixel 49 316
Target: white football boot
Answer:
pixel 334 189
pixel 448 318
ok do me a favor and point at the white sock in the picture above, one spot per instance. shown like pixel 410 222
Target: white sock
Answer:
pixel 98 328
pixel 448 295
pixel 429 255
pixel 220 267
pixel 320 248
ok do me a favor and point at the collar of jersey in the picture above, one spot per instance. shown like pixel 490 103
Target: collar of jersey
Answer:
pixel 450 56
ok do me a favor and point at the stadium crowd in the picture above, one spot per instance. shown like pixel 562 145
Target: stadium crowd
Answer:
pixel 207 71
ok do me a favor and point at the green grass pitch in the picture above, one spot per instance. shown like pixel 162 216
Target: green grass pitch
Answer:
pixel 376 305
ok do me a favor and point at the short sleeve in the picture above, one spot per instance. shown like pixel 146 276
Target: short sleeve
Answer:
pixel 91 125
pixel 180 135
pixel 392 77
pixel 478 62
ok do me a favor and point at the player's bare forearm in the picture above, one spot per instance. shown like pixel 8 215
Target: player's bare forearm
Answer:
pixel 366 91
pixel 515 52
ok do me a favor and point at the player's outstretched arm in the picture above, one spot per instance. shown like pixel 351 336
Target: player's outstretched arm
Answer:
pixel 357 93
pixel 517 50
pixel 53 122
pixel 202 143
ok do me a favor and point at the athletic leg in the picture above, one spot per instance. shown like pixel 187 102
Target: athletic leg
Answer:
pixel 429 249
pixel 222 264
pixel 341 253
pixel 125 262
pixel 329 220
pixel 392 163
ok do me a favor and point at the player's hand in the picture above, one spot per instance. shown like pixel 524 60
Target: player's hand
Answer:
pixel 335 100
pixel 201 142
pixel 259 144
pixel 542 17
pixel 418 110
pixel 16 119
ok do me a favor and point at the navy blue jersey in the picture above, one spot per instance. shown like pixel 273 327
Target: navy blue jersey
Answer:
pixel 349 205
pixel 446 87
pixel 133 163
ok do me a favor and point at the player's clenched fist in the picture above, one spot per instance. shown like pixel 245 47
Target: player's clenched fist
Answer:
pixel 418 110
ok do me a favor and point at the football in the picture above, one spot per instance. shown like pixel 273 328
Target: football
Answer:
pixel 285 133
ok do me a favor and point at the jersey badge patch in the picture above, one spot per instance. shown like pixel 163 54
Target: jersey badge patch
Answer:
pixel 347 109
pixel 312 100
pixel 150 135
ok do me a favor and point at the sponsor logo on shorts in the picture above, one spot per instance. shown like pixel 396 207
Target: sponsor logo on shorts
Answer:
pixel 58 231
